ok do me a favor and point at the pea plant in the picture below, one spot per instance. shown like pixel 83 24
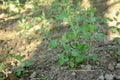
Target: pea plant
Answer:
pixel 78 44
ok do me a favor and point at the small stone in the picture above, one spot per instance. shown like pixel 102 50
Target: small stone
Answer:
pixel 73 73
pixel 101 77
pixel 117 77
pixel 33 75
pixel 111 67
pixel 118 59
pixel 118 66
pixel 97 63
pixel 88 67
pixel 109 77
pixel 82 66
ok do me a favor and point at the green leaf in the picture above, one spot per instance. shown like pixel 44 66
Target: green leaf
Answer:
pixel 109 19
pixel 118 52
pixel 43 78
pixel 53 43
pixel 85 35
pixel 30 37
pixel 38 31
pixel 19 58
pixel 21 24
pixel 71 63
pixel 11 55
pixel 20 34
pixel 38 19
pixel 117 13
pixel 61 59
pixel 74 53
pixel 118 23
pixel 66 47
pixel 61 56
pixel 70 36
pixel 92 10
pixel 93 57
pixel 82 47
pixel 65 38
pixel 62 15
pixel 60 62
pixel 114 30
pixel 92 28
pixel 26 63
pixel 115 18
pixel 80 58
pixel 2 79
pixel 29 25
pixel 100 37
pixel 19 71
pixel 1 68
pixel 117 40
pixel 85 27
pixel 93 19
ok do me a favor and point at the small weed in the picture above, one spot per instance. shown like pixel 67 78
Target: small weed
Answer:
pixel 38 19
pixel 38 31
pixel 29 38
pixel 17 57
pixel 21 24
pixel 53 44
pixel 20 34
pixel 117 40
pixel 43 78
pixel 25 26
pixel 118 52
pixel 19 71
pixel 22 69
pixel 24 64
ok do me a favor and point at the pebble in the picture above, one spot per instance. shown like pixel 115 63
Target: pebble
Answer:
pixel 82 66
pixel 109 77
pixel 111 67
pixel 101 77
pixel 88 67
pixel 33 75
pixel 73 73
pixel 118 66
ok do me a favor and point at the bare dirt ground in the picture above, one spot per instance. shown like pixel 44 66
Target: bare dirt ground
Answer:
pixel 44 59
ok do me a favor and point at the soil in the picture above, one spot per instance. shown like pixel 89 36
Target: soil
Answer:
pixel 44 59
